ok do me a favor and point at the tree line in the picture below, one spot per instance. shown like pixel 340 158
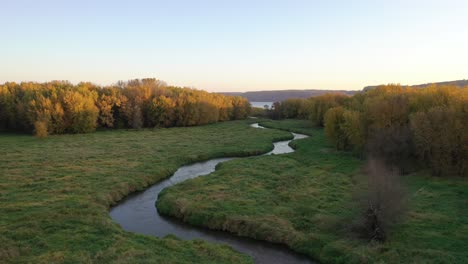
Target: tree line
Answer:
pixel 397 124
pixel 59 107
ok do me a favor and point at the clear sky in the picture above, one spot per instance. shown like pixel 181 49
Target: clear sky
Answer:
pixel 235 45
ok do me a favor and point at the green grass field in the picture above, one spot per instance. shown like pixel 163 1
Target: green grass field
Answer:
pixel 304 200
pixel 55 192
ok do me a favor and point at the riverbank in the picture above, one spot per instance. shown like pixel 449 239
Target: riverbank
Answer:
pixel 137 213
pixel 304 200
pixel 55 192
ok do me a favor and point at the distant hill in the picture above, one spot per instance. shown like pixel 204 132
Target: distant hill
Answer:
pixel 281 95
pixel 459 83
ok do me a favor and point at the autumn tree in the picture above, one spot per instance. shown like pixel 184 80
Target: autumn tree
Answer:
pixel 319 105
pixel 109 102
pixel 7 106
pixel 161 112
pixel 61 107
pixel 81 113
pixel 441 140
pixel 276 111
pixel 333 120
pixel 354 129
pixel 387 109
pixel 377 122
pixel 240 107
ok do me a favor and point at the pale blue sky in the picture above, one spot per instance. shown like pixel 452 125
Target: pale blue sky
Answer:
pixel 235 45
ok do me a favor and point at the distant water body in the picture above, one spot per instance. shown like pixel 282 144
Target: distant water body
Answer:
pixel 261 104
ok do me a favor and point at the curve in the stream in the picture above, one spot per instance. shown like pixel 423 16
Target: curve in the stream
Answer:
pixel 137 213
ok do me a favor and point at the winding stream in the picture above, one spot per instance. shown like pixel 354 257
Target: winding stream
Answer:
pixel 137 213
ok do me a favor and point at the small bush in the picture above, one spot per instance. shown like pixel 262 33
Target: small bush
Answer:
pixel 40 129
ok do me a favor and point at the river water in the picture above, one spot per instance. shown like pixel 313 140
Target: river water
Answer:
pixel 261 104
pixel 137 213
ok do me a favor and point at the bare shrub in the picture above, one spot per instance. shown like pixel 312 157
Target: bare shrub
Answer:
pixel 383 201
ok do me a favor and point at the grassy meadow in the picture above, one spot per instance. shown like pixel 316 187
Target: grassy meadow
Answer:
pixel 55 192
pixel 305 200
